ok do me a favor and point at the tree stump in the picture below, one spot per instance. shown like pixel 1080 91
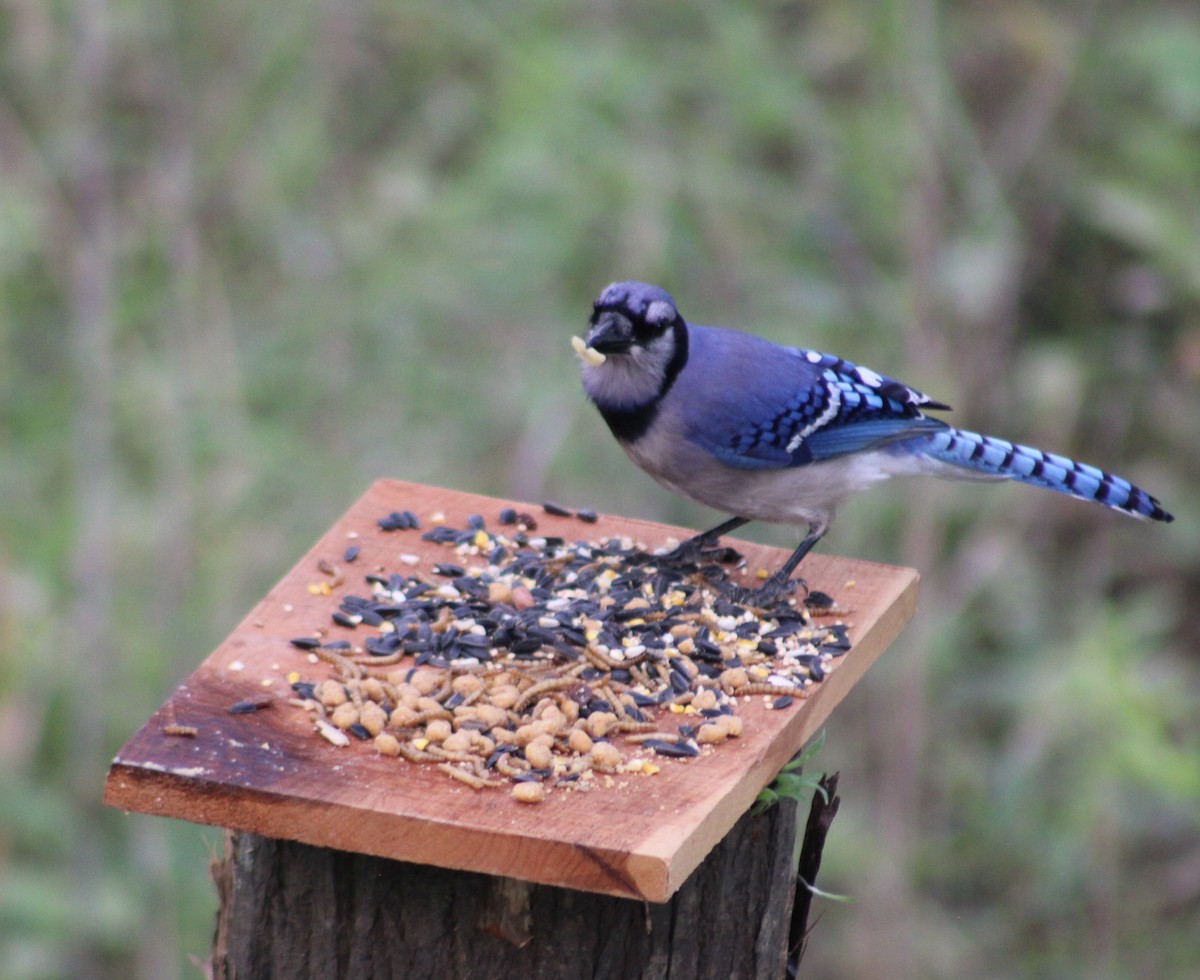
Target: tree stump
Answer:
pixel 294 911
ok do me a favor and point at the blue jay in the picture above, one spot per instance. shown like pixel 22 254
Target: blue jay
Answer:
pixel 782 434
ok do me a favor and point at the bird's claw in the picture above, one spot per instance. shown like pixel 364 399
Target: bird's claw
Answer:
pixel 778 588
pixel 700 549
pixel 686 551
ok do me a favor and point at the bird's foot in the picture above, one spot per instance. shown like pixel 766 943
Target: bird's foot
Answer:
pixel 685 551
pixel 698 550
pixel 775 590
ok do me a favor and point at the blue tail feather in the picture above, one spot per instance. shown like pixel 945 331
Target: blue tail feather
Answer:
pixel 989 456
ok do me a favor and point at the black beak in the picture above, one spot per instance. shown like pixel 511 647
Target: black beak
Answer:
pixel 611 333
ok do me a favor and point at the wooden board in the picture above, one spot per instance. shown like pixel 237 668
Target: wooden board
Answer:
pixel 268 773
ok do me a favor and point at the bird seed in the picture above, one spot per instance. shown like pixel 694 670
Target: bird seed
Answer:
pixel 532 661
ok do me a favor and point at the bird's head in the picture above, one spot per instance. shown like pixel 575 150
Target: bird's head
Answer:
pixel 627 315
pixel 634 346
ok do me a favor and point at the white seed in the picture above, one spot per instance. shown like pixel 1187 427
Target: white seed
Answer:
pixel 589 355
pixel 331 734
pixel 529 792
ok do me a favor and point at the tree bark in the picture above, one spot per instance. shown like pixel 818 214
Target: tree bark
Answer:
pixel 292 911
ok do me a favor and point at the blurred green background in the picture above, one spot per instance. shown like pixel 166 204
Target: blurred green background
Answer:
pixel 255 256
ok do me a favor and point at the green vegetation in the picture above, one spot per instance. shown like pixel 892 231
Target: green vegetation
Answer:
pixel 254 256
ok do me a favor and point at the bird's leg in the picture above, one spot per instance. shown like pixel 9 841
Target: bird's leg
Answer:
pixel 690 549
pixel 781 579
pixel 780 585
pixel 802 549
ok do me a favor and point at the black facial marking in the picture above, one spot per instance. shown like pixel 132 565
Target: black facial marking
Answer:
pixel 630 424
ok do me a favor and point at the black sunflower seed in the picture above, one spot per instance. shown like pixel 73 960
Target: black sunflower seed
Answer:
pixel 371 617
pixel 677 750
pixel 383 645
pixel 477 641
pixel 392 522
pixel 495 756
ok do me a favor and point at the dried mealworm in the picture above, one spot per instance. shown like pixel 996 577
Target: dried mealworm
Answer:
pixel 413 754
pixel 629 725
pixel 642 736
pixel 463 776
pixel 543 687
pixel 764 688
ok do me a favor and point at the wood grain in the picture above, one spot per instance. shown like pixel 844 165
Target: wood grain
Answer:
pixel 267 772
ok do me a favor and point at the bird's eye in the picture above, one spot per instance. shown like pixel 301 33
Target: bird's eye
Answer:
pixel 660 312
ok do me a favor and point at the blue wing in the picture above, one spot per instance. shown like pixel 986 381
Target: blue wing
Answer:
pixel 775 407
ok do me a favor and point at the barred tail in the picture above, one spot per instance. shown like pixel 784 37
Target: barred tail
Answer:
pixel 989 456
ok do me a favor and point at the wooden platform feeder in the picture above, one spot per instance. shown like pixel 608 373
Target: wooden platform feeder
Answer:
pixel 344 863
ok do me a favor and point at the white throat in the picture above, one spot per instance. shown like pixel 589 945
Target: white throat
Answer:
pixel 629 380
